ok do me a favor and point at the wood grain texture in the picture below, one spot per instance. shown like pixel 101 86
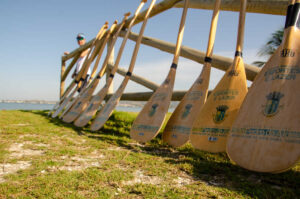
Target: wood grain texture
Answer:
pixel 212 125
pixel 108 108
pixel 149 121
pixel 266 134
pixel 178 128
pixel 91 106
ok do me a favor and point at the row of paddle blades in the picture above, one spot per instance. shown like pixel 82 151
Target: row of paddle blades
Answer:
pixel 259 129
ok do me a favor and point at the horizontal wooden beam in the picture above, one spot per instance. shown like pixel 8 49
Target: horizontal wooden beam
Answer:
pixel 219 62
pixel 77 50
pixel 275 7
pixel 145 96
pixel 138 79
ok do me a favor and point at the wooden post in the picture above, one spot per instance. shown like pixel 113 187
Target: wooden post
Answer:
pixel 62 82
pixel 110 62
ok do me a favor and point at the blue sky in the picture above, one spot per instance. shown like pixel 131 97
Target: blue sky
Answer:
pixel 35 33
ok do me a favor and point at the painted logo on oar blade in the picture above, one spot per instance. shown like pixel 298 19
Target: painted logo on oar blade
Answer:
pixel 221 114
pixel 273 101
pixel 153 110
pixel 287 53
pixel 187 110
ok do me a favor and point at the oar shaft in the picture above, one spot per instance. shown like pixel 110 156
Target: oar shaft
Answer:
pixel 87 61
pixel 111 47
pixel 117 62
pixel 180 32
pixel 108 34
pixel 289 13
pixel 213 29
pixel 139 40
pixel 241 28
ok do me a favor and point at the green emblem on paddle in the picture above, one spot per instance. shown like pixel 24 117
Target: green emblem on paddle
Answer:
pixel 153 110
pixel 273 100
pixel 221 114
pixel 187 110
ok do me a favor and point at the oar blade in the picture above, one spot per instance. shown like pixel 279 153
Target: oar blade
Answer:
pixel 64 104
pixel 266 135
pixel 216 117
pixel 89 111
pixel 178 128
pixel 80 103
pixel 149 121
pixel 109 106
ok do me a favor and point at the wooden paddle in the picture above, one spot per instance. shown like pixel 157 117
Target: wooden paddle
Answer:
pixel 108 108
pixel 76 107
pixel 94 102
pixel 85 67
pixel 72 85
pixel 213 122
pixel 266 134
pixel 178 128
pixel 149 121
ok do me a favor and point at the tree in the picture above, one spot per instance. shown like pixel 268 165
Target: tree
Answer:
pixel 270 47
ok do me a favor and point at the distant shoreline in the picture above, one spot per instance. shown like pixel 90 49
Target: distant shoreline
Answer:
pixel 28 101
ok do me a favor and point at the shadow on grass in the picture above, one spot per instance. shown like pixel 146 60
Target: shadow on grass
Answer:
pixel 214 169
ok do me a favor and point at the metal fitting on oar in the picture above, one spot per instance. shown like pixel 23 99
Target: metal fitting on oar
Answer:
pixel 238 54
pixel 208 59
pixel 174 66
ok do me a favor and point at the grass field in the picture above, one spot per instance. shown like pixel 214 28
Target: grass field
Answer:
pixel 41 157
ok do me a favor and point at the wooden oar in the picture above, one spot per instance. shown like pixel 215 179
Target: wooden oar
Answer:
pixel 80 102
pixel 85 69
pixel 149 121
pixel 72 85
pixel 94 102
pixel 266 134
pixel 95 45
pixel 178 128
pixel 108 108
pixel 213 122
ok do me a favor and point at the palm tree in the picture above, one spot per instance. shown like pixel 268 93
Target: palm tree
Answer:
pixel 269 48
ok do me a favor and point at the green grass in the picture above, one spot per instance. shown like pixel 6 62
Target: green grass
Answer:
pixel 77 163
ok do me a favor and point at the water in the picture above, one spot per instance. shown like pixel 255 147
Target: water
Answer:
pixel 29 106
pixel 25 106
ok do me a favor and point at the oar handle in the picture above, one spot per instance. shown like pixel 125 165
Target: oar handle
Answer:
pixel 139 39
pixel 104 27
pixel 212 33
pixel 111 46
pixel 241 29
pixel 117 62
pixel 180 33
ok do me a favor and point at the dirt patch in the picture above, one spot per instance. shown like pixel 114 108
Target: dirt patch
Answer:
pixel 17 150
pixel 77 163
pixel 141 178
pixel 26 124
pixel 183 180
pixel 8 168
